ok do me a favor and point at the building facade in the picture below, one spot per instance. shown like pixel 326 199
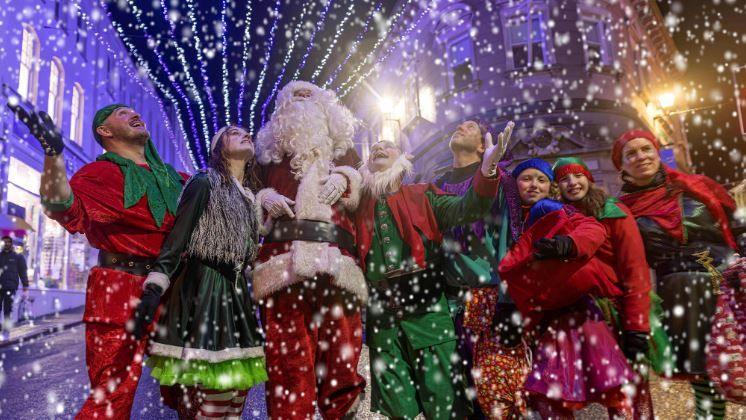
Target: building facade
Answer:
pixel 64 58
pixel 572 74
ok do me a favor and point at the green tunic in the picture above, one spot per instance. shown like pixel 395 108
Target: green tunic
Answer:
pixel 410 332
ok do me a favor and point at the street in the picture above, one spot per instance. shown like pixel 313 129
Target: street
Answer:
pixel 46 378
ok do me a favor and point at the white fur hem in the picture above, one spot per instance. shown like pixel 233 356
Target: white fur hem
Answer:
pixel 354 186
pixel 305 260
pixel 265 221
pixel 157 278
pixel 212 356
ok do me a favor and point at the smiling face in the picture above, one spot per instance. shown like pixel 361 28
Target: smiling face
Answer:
pixel 124 124
pixel 237 143
pixel 533 185
pixel 382 156
pixel 467 136
pixel 640 160
pixel 574 187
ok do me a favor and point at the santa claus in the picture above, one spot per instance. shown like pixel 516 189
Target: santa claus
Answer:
pixel 306 278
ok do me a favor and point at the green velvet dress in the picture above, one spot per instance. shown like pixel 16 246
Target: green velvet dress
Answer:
pixel 208 333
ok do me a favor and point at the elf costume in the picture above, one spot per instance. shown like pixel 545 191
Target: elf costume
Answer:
pixel 125 210
pixel 681 215
pixel 409 328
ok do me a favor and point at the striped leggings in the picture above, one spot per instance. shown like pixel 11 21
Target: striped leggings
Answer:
pixel 200 403
pixel 709 404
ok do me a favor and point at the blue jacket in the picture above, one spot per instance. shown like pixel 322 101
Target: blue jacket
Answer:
pixel 12 267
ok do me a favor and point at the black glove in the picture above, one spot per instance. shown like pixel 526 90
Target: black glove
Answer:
pixel 42 127
pixel 635 345
pixel 558 247
pixel 145 311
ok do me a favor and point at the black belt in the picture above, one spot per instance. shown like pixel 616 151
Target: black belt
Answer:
pixel 133 264
pixel 312 231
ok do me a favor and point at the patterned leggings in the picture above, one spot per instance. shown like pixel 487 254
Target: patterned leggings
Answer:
pixel 200 403
pixel 709 404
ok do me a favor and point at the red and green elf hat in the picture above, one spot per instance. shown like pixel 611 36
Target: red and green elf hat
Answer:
pixel 571 165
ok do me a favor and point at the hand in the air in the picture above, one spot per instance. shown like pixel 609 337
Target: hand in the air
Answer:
pixel 333 187
pixel 494 152
pixel 558 247
pixel 277 205
pixel 42 128
pixel 636 345
pixel 145 311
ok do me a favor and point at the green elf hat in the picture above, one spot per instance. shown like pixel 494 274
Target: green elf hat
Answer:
pixel 101 116
pixel 571 165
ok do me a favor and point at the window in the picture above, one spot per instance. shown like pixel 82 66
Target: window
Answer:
pixel 60 13
pixel 461 61
pixel 28 76
pixel 597 50
pixel 56 89
pixel 81 37
pixel 526 44
pixel 76 115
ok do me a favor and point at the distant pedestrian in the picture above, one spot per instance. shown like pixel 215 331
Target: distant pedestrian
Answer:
pixel 12 268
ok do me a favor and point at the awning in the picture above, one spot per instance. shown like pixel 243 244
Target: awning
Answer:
pixel 8 222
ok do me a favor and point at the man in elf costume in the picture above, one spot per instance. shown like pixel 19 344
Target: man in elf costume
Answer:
pixel 124 203
pixel 410 331
pixel 306 277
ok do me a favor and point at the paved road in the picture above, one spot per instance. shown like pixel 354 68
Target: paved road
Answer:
pixel 46 378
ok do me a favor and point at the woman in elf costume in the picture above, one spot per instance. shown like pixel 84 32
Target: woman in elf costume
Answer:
pixel 687 224
pixel 208 340
pixel 624 251
pixel 576 360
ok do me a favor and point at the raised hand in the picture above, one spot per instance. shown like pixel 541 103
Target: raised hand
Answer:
pixel 42 127
pixel 494 152
pixel 333 186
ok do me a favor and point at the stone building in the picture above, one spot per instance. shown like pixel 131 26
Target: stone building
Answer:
pixel 65 60
pixel 572 74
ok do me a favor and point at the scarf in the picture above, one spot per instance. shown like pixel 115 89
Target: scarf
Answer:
pixel 661 201
pixel 161 183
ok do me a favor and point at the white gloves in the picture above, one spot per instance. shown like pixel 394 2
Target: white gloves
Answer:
pixel 277 205
pixel 494 152
pixel 334 186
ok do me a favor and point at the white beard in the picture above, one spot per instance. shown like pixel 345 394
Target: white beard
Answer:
pixel 387 181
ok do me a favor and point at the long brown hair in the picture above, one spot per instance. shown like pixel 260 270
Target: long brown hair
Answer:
pixel 218 162
pixel 593 202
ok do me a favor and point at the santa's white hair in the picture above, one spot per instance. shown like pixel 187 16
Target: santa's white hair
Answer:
pixel 306 129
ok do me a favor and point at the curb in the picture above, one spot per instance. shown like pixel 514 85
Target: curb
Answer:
pixel 52 329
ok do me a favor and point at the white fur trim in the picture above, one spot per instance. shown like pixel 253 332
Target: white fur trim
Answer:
pixel 308 206
pixel 354 186
pixel 160 279
pixel 305 260
pixel 212 356
pixel 265 221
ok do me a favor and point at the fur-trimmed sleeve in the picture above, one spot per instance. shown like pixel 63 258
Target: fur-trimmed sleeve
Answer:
pixel 351 198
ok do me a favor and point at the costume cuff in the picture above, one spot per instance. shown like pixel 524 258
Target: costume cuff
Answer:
pixel 485 187
pixel 58 206
pixel 265 221
pixel 351 197
pixel 159 279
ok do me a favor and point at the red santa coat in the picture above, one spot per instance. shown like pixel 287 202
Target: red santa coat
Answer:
pixel 540 285
pixel 98 211
pixel 625 252
pixel 281 264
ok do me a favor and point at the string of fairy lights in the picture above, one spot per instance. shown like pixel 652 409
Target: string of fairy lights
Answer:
pixel 127 67
pixel 280 33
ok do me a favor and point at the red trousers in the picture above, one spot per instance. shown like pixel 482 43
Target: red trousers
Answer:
pixel 314 337
pixel 114 363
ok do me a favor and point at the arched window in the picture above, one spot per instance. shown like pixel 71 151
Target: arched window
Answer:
pixel 76 114
pixel 28 76
pixel 453 30
pixel 56 89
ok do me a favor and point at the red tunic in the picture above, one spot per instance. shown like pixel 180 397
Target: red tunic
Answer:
pixel 98 212
pixel 625 252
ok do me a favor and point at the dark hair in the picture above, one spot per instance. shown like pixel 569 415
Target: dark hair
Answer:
pixel 218 162
pixel 593 202
pixel 7 237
